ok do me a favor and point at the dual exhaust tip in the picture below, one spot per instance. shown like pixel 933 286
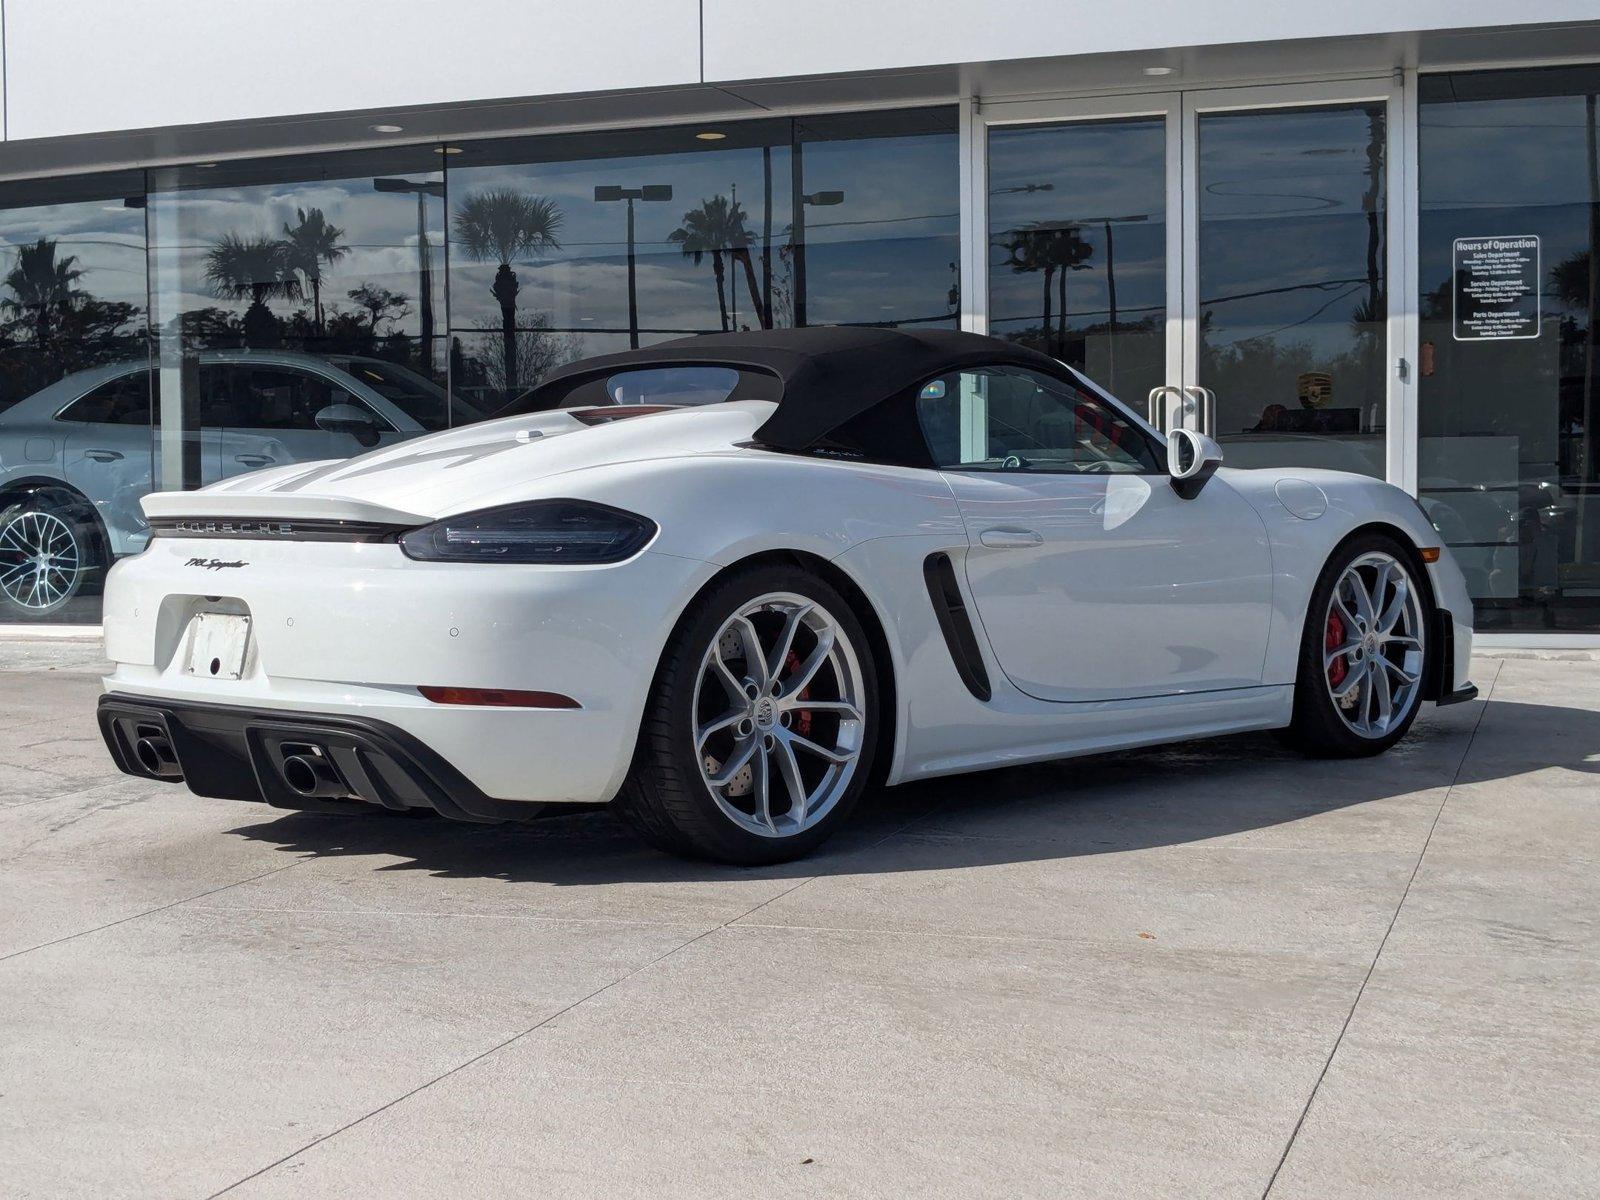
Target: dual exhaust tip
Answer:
pixel 306 769
pixel 155 754
pixel 309 773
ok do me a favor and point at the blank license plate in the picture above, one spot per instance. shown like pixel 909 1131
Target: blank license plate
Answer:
pixel 218 643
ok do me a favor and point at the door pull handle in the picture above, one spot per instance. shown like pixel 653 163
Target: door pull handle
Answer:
pixel 1156 404
pixel 103 455
pixel 254 460
pixel 1011 539
pixel 1205 409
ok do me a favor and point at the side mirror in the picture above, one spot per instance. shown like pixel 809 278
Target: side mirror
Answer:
pixel 1192 458
pixel 351 419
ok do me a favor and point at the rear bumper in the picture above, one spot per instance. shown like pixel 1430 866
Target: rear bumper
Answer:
pixel 234 753
pixel 353 631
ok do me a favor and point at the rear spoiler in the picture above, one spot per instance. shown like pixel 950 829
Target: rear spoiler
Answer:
pixel 165 507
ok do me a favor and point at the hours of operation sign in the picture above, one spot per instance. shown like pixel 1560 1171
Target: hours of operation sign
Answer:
pixel 1497 288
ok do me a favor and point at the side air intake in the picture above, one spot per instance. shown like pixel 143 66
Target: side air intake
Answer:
pixel 951 610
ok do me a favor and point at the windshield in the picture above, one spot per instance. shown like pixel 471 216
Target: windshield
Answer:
pixel 420 399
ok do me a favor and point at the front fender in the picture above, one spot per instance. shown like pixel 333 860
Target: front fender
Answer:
pixel 1307 514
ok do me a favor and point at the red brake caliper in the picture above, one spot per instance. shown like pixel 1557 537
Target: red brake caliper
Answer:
pixel 1338 668
pixel 802 716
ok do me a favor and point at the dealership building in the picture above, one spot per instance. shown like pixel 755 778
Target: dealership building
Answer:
pixel 1362 236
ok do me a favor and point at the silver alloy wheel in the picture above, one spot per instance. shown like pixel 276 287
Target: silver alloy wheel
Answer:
pixel 1373 644
pixel 40 560
pixel 779 721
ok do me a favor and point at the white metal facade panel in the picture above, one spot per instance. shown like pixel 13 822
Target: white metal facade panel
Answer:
pixel 753 39
pixel 92 66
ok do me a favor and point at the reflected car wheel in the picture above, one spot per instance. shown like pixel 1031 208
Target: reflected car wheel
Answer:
pixel 47 555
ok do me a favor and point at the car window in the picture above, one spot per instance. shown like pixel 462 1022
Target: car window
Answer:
pixel 216 396
pixel 280 398
pixel 124 400
pixel 420 399
pixel 676 386
pixel 1013 419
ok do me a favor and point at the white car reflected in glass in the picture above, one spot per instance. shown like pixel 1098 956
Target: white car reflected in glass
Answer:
pixel 75 457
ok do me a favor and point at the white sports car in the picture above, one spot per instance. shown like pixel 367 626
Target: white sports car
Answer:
pixel 726 582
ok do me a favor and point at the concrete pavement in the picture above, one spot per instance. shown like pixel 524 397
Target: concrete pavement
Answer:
pixel 1215 969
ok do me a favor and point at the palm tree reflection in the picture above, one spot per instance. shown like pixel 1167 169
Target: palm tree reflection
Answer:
pixel 499 225
pixel 309 244
pixel 717 228
pixel 42 285
pixel 256 268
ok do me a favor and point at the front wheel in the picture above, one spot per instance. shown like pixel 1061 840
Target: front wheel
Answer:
pixel 758 736
pixel 1359 684
pixel 47 554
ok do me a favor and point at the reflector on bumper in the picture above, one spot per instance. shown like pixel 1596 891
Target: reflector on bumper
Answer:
pixel 497 697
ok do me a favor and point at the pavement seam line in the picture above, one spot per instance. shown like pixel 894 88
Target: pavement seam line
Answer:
pixel 1344 1027
pixel 496 1048
pixel 149 912
pixel 540 1024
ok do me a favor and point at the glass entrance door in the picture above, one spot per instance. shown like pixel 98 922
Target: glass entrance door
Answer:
pixel 1288 239
pixel 1081 238
pixel 1224 256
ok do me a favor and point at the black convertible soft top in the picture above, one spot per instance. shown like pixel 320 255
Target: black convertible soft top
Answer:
pixel 826 376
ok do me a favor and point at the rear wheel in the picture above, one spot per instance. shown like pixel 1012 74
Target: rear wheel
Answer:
pixel 1359 685
pixel 48 553
pixel 758 736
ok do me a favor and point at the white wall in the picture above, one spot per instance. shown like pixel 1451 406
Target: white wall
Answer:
pixel 754 39
pixel 84 66
pixel 92 66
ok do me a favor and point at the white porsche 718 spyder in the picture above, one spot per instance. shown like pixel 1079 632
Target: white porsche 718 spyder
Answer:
pixel 726 582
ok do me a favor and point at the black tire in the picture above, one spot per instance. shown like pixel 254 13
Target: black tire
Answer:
pixel 1318 729
pixel 666 799
pixel 20 520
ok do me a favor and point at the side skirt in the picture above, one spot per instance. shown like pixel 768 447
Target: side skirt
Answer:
pixel 1072 730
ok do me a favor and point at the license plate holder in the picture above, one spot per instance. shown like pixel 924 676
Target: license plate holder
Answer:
pixel 218 644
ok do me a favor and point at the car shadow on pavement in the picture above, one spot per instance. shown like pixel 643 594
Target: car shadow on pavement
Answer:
pixel 1110 803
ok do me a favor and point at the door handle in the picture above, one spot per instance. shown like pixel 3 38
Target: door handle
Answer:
pixel 254 460
pixel 1156 406
pixel 103 455
pixel 1205 403
pixel 1011 539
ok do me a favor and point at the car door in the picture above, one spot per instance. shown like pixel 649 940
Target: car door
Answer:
pixel 1093 579
pixel 107 453
pixel 273 419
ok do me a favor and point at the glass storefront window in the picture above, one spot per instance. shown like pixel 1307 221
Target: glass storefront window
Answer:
pixel 1510 295
pixel 74 400
pixel 171 328
pixel 879 241
pixel 296 310
pixel 567 246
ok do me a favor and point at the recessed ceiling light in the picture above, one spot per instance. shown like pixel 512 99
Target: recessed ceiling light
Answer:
pixel 1159 70
pixel 447 149
pixel 387 128
pixel 710 135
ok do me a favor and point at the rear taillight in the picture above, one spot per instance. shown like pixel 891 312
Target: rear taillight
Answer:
pixel 497 697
